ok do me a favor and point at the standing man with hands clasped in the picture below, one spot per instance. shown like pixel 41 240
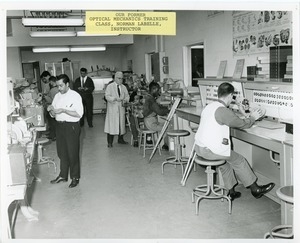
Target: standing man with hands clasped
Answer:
pixel 116 95
pixel 213 142
pixel 67 109
pixel 84 85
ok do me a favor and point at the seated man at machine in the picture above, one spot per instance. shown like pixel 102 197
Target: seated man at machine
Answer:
pixel 152 109
pixel 213 142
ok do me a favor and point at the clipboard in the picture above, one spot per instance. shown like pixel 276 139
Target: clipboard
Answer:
pixel 221 70
pixel 237 74
pixel 166 124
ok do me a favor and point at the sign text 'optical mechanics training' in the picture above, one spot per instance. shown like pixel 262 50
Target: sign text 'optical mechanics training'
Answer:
pixel 150 23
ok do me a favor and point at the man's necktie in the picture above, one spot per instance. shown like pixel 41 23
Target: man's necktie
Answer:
pixel 119 93
pixel 82 82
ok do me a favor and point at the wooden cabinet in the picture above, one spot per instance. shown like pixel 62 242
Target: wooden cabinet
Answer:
pixel 17 164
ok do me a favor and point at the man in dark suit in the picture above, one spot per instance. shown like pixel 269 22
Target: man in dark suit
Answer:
pixel 84 85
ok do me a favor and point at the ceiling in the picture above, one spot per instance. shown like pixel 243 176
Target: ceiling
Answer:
pixel 21 35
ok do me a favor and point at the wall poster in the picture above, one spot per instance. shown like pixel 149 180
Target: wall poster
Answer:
pixel 255 32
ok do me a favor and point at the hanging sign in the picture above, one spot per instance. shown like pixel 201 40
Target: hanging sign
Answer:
pixel 123 22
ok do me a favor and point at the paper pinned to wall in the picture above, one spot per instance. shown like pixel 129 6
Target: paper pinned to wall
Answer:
pixel 238 68
pixel 222 68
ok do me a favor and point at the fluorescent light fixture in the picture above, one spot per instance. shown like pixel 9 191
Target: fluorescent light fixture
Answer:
pixel 67 49
pixel 87 48
pixel 83 33
pixel 197 47
pixel 52 33
pixel 52 22
pixel 50 49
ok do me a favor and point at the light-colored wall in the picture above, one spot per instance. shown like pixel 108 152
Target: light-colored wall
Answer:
pixel 216 32
pixel 111 58
pixel 136 53
pixel 194 27
pixel 21 37
pixel 14 68
pixel 191 27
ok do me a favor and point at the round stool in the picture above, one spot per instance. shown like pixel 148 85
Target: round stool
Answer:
pixel 143 133
pixel 286 194
pixel 177 159
pixel 209 190
pixel 142 136
pixel 42 159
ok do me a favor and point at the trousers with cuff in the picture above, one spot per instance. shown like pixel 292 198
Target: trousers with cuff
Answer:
pixel 110 138
pixel 236 166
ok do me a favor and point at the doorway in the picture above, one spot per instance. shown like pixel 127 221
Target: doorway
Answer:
pixel 193 63
pixel 197 63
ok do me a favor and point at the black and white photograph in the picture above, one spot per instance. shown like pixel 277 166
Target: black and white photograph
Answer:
pixel 149 121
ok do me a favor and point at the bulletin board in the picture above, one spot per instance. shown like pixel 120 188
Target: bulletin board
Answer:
pixel 256 31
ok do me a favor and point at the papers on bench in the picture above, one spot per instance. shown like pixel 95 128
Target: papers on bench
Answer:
pixel 269 124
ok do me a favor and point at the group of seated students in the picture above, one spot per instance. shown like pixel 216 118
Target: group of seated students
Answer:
pixel 212 139
pixel 144 106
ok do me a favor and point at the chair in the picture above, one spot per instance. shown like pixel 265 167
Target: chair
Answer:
pixel 285 193
pixel 177 159
pixel 127 121
pixel 43 159
pixel 143 133
pixel 209 190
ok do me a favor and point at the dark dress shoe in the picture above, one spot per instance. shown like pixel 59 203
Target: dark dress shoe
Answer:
pixel 122 142
pixel 58 180
pixel 91 126
pixel 74 183
pixel 261 190
pixel 234 195
pixel 109 145
pixel 165 147
pixel 135 144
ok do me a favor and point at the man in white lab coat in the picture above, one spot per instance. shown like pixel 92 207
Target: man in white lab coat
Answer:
pixel 116 95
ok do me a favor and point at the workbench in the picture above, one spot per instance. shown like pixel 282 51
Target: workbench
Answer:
pixel 269 152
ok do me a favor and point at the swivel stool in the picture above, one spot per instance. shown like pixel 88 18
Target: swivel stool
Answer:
pixel 177 159
pixel 43 159
pixel 143 133
pixel 209 190
pixel 285 193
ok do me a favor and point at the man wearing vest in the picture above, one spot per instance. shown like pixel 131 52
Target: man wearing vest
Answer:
pixel 213 142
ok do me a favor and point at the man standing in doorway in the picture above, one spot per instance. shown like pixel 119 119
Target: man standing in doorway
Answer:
pixel 116 95
pixel 67 109
pixel 84 85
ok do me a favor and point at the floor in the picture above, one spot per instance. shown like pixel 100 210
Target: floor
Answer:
pixel 122 196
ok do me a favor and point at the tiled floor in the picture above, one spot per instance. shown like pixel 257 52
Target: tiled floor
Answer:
pixel 122 196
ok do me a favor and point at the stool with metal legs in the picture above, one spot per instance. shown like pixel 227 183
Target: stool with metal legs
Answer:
pixel 43 159
pixel 177 159
pixel 142 135
pixel 209 190
pixel 285 194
